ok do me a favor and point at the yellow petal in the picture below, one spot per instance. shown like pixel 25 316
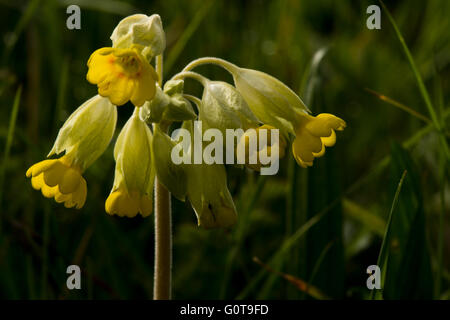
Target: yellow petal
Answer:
pixel 79 196
pixel 70 181
pixel 121 203
pixel 122 74
pixel 146 205
pixel 39 167
pixel 59 180
pixel 145 86
pixel 331 140
pixel 54 174
pixel 305 145
pixel 313 134
pixel 322 124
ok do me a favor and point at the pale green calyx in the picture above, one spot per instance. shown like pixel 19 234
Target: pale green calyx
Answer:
pixel 269 99
pixel 223 107
pixel 204 185
pixel 171 175
pixel 209 195
pixel 208 192
pixel 133 155
pixel 141 30
pixel 87 132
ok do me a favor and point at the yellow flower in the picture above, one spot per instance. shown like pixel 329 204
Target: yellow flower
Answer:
pixel 128 204
pixel 269 147
pixel 313 134
pixel 84 137
pixel 134 174
pixel 59 179
pixel 122 75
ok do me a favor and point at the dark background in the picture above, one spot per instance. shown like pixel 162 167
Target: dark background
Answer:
pixel 323 225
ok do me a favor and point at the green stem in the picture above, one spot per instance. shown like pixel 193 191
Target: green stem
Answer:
pixel 192 75
pixel 194 99
pixel 231 68
pixel 163 230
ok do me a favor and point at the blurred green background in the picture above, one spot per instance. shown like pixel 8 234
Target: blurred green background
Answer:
pixel 321 226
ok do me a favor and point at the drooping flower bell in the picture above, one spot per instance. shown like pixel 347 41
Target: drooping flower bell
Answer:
pixel 205 185
pixel 84 137
pixel 313 134
pixel 278 106
pixel 134 174
pixel 264 147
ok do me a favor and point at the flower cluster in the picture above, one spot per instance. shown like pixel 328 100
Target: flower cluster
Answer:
pixel 123 72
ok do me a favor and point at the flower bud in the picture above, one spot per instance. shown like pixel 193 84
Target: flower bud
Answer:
pixel 142 30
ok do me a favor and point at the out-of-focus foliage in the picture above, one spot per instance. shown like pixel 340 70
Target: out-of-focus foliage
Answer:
pixel 322 225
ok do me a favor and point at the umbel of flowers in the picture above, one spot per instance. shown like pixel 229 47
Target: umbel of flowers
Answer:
pixel 124 73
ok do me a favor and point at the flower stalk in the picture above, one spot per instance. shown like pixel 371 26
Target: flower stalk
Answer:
pixel 163 229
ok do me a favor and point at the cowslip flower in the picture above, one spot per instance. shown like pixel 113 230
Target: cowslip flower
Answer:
pixel 265 147
pixel 208 192
pixel 134 174
pixel 209 195
pixel 313 134
pixel 205 185
pixel 84 137
pixel 122 74
pixel 277 105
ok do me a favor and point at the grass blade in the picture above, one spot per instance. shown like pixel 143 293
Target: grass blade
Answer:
pixel 299 283
pixel 9 140
pixel 370 220
pixel 240 234
pixel 399 105
pixel 284 248
pixel 187 34
pixel 382 256
pixel 419 80
pixel 20 26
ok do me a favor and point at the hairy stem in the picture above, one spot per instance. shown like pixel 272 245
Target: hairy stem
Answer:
pixel 162 285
